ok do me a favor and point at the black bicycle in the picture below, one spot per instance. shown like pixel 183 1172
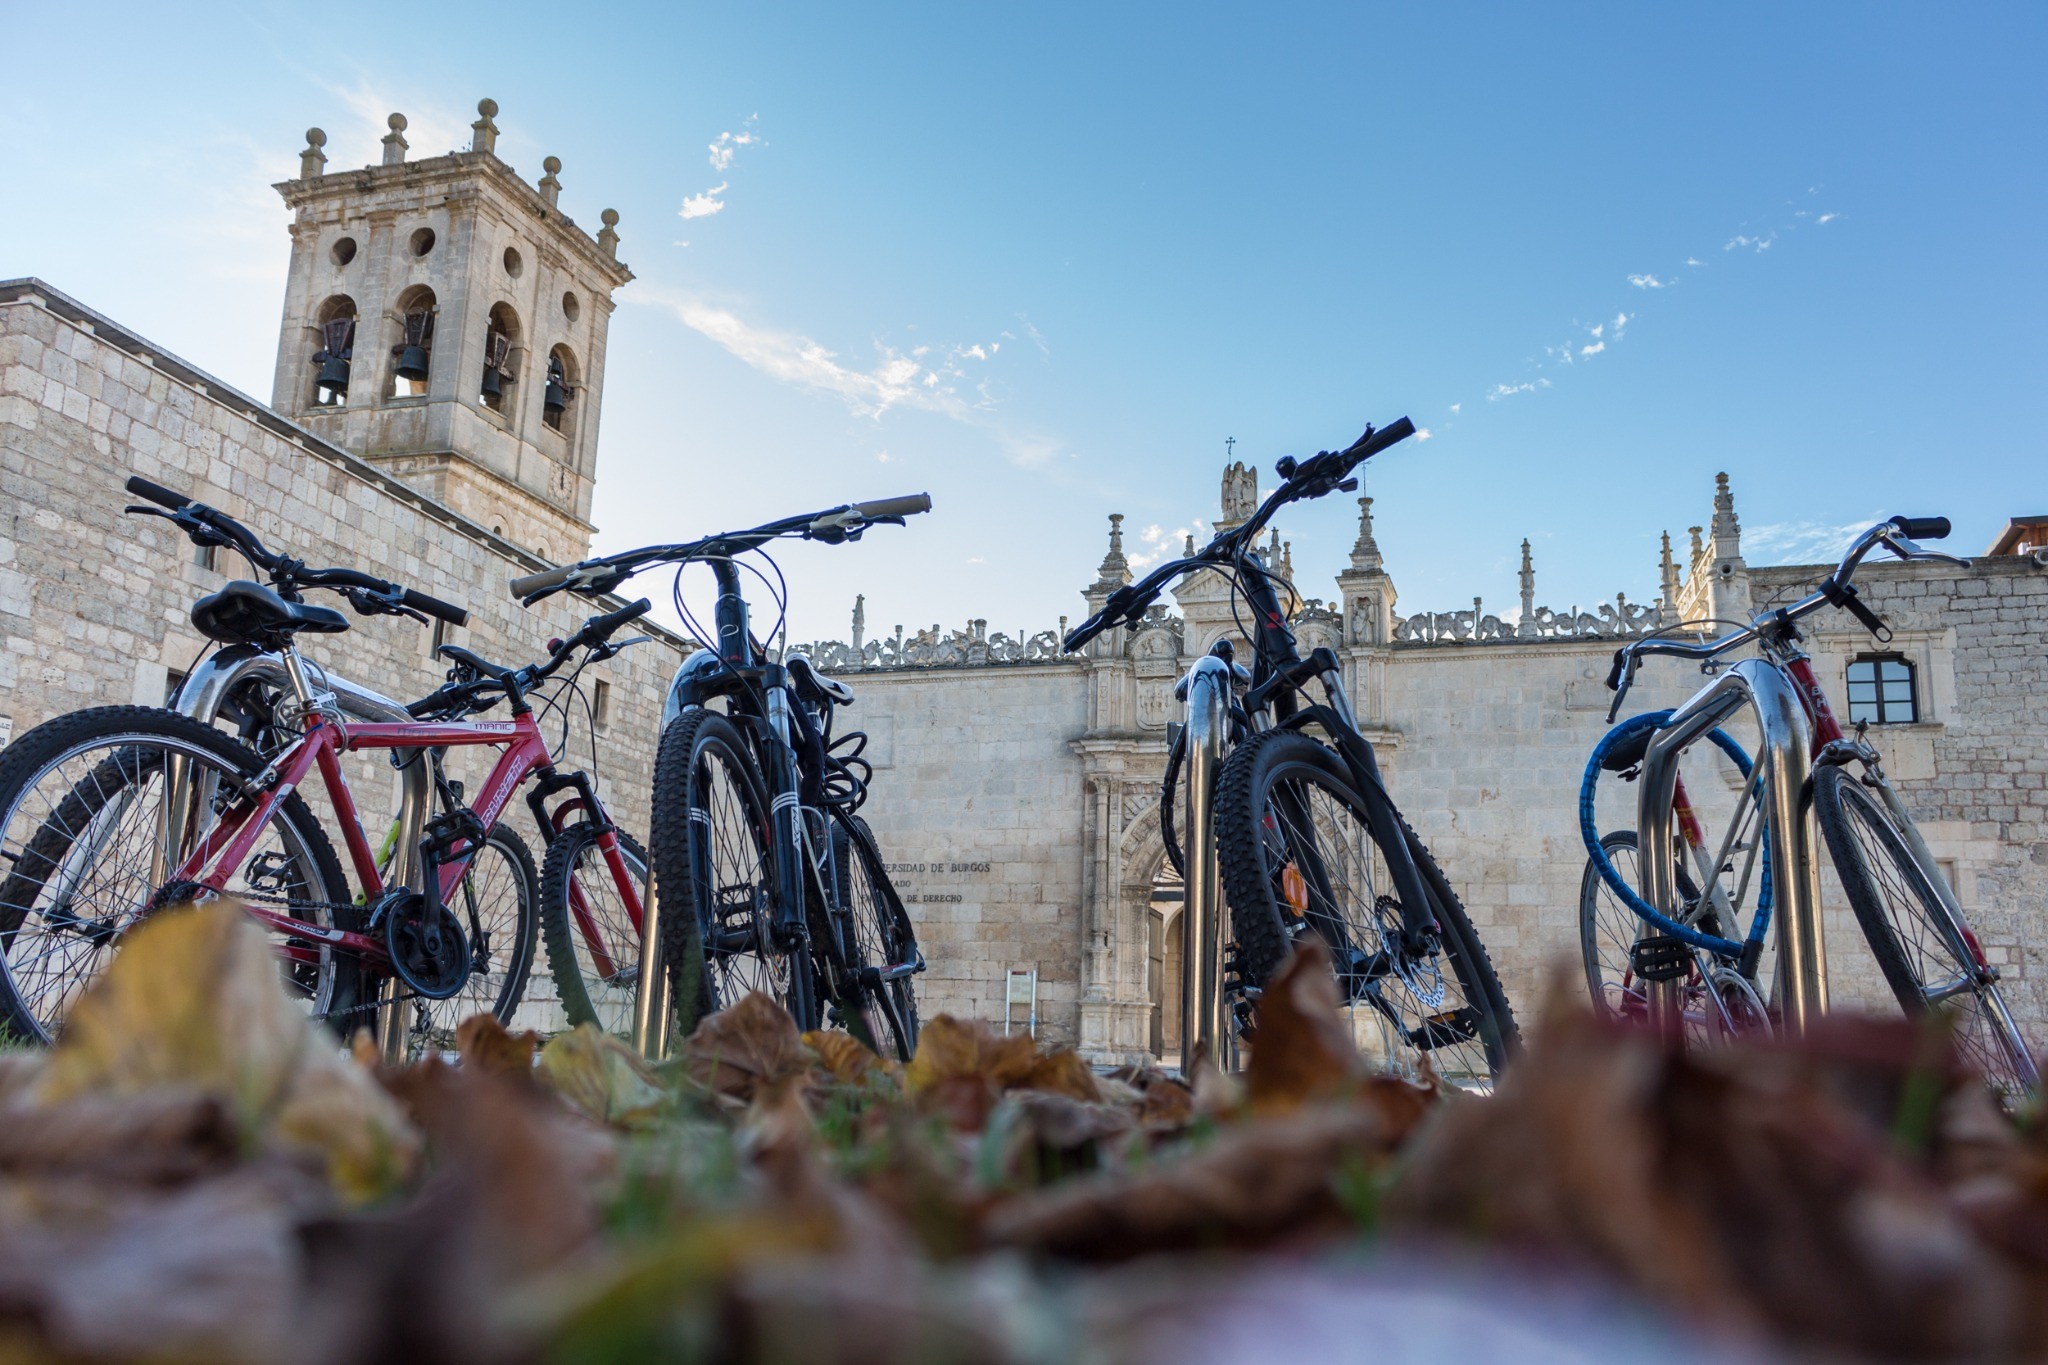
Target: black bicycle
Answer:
pixel 1308 840
pixel 766 877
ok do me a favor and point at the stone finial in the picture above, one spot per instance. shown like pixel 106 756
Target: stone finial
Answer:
pixel 1697 548
pixel 1188 545
pixel 312 160
pixel 1527 625
pixel 1727 527
pixel 1287 560
pixel 484 133
pixel 1365 552
pixel 551 188
pixel 608 235
pixel 1116 570
pixel 1667 583
pixel 394 141
pixel 860 619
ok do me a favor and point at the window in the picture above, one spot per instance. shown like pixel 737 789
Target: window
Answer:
pixel 413 356
pixel 1881 690
pixel 601 705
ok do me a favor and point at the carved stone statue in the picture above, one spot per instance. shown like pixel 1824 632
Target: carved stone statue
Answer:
pixel 1240 491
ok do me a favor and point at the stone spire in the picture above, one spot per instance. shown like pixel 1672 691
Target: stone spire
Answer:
pixel 394 141
pixel 1667 579
pixel 484 133
pixel 1116 570
pixel 1527 625
pixel 550 188
pixel 1365 553
pixel 1287 560
pixel 1696 549
pixel 860 619
pixel 312 161
pixel 1727 529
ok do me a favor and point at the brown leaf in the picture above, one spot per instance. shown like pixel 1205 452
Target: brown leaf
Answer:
pixel 484 1043
pixel 602 1077
pixel 166 1137
pixel 1061 1071
pixel 961 1067
pixel 738 1050
pixel 845 1057
pixel 1303 1050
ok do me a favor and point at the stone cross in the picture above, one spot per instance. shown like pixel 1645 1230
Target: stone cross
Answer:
pixel 551 188
pixel 394 141
pixel 312 159
pixel 484 133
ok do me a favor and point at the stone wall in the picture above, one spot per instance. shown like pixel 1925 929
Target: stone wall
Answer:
pixel 94 605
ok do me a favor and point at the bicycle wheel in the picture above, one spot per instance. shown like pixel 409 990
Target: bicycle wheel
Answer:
pixel 882 939
pixel 497 903
pixel 593 941
pixel 92 833
pixel 1302 854
pixel 1608 931
pixel 1929 958
pixel 714 868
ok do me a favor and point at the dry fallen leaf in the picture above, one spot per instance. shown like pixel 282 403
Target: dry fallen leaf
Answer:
pixel 961 1067
pixel 1303 1050
pixel 602 1077
pixel 487 1045
pixel 845 1058
pixel 736 1051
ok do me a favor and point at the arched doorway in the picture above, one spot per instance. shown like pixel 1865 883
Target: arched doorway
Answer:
pixel 1162 963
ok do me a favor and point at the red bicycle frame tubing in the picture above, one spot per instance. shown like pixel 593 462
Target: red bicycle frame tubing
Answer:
pixel 1826 730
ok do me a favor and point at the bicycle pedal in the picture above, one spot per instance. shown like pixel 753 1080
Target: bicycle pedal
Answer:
pixel 1661 958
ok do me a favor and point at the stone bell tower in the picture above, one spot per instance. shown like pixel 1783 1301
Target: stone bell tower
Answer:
pixel 446 320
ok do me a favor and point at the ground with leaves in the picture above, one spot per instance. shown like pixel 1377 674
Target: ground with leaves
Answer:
pixel 197 1173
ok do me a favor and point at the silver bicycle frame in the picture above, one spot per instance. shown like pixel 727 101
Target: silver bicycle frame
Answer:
pixel 1785 760
pixel 1204 1019
pixel 206 692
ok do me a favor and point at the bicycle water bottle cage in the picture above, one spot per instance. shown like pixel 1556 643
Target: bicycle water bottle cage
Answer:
pixel 1660 958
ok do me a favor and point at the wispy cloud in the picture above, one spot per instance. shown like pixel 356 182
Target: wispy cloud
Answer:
pixel 1646 282
pixel 1694 261
pixel 1423 433
pixel 728 145
pixel 1155 542
pixel 1800 542
pixel 1595 349
pixel 1500 391
pixel 705 204
pixel 1741 241
pixel 431 128
pixel 1826 218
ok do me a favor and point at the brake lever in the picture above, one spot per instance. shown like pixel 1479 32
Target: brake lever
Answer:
pixel 1628 680
pixel 609 649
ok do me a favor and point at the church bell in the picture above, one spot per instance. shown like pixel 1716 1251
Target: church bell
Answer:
pixel 334 357
pixel 412 362
pixel 333 374
pixel 556 397
pixel 494 384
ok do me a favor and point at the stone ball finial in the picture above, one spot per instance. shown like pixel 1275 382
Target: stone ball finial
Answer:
pixel 608 235
pixel 312 161
pixel 610 218
pixel 552 165
pixel 550 188
pixel 396 123
pixel 488 107
pixel 315 138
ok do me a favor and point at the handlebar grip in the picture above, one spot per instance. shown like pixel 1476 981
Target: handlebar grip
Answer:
pixel 156 493
pixel 1614 673
pixel 895 507
pixel 1923 528
pixel 545 581
pixel 1393 433
pixel 598 628
pixel 435 607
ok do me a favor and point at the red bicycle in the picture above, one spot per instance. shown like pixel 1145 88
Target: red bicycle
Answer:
pixel 110 814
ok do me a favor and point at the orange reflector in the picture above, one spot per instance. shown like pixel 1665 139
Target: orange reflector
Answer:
pixel 1294 890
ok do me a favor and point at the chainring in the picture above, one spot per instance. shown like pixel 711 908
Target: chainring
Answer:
pixel 428 950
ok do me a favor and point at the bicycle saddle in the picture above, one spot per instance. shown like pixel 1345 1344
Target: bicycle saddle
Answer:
pixel 249 613
pixel 810 682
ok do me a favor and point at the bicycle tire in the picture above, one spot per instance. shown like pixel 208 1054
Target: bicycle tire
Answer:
pixel 1245 797
pixel 1598 902
pixel 435 1021
pixel 1876 865
pixel 37 754
pixel 691 832
pixel 882 929
pixel 587 996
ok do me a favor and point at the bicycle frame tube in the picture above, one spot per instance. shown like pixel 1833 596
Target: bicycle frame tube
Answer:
pixel 1203 1017
pixel 1786 761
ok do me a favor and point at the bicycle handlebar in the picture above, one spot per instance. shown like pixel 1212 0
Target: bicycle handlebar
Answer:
pixel 545 581
pixel 909 506
pixel 367 593
pixel 494 681
pixel 1322 473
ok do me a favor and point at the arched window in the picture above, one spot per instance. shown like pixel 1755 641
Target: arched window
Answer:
pixel 336 322
pixel 1881 690
pixel 501 340
pixel 561 390
pixel 413 356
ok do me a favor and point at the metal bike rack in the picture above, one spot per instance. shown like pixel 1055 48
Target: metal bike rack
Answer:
pixel 204 694
pixel 1204 1019
pixel 1785 760
pixel 651 1016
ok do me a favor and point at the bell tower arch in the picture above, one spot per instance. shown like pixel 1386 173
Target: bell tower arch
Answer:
pixel 447 321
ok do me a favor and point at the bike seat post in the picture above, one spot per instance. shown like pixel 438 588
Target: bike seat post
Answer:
pixel 1204 1017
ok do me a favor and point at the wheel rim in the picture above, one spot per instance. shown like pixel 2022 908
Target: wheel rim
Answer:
pixel 1940 961
pixel 611 998
pixel 85 839
pixel 731 880
pixel 1392 998
pixel 878 942
pixel 492 905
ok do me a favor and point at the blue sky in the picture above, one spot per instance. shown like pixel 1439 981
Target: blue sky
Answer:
pixel 1042 260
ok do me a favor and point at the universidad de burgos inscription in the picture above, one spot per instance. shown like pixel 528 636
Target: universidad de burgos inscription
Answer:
pixel 912 893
